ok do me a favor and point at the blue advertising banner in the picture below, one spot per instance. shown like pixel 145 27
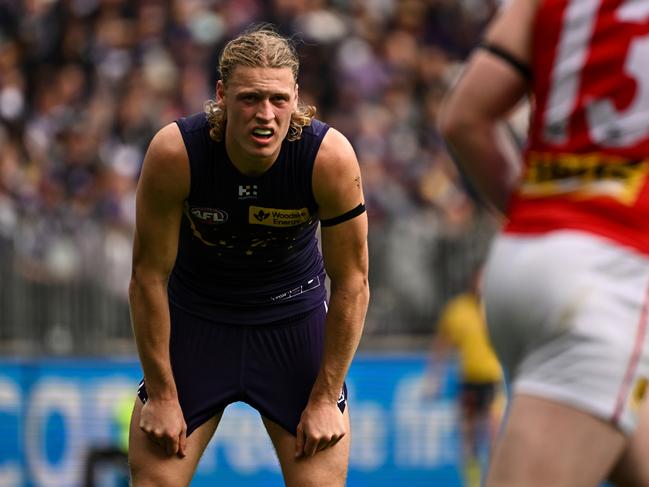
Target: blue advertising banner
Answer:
pixel 53 412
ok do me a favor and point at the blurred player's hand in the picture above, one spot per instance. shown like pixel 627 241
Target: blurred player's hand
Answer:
pixel 432 385
pixel 163 422
pixel 321 426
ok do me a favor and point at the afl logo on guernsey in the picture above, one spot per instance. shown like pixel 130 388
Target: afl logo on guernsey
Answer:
pixel 209 216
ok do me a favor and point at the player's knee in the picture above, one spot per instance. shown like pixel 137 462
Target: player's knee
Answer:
pixel 150 480
pixel 326 480
pixel 143 475
pixel 321 476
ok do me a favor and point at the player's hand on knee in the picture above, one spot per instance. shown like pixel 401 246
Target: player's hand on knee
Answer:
pixel 321 426
pixel 163 423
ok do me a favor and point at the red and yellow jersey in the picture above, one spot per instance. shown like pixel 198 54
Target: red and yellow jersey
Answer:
pixel 587 158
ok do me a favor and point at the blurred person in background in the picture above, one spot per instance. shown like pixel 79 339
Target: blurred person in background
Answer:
pixel 567 282
pixel 112 456
pixel 85 85
pixel 227 294
pixel 461 332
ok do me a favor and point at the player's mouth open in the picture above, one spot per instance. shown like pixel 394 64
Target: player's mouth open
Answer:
pixel 263 133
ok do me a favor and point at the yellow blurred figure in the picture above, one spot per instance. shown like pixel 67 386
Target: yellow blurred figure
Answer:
pixel 123 413
pixel 462 327
pixel 461 331
pixel 114 455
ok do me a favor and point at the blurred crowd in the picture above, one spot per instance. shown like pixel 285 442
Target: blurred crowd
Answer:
pixel 84 85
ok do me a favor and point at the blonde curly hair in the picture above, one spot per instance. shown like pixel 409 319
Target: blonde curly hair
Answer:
pixel 260 47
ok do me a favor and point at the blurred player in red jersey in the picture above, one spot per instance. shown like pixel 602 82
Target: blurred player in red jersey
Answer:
pixel 567 282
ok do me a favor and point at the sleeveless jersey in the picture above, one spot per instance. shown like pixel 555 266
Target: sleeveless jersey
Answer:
pixel 587 157
pixel 247 250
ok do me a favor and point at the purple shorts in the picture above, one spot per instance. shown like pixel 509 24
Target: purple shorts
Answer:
pixel 270 367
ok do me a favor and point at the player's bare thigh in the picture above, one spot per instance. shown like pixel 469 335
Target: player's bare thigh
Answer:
pixel 150 466
pixel 547 443
pixel 632 469
pixel 327 468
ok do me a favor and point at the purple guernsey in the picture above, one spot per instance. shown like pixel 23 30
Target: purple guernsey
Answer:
pixel 247 251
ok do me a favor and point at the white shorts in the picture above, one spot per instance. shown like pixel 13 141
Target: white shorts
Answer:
pixel 567 314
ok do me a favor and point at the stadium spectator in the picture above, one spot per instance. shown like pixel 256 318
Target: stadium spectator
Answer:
pixel 85 85
pixel 567 281
pixel 227 294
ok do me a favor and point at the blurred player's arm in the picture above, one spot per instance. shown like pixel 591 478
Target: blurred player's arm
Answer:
pixel 162 188
pixel 338 190
pixel 442 350
pixel 473 115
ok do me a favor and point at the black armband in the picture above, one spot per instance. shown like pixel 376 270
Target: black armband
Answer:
pixel 344 217
pixel 522 68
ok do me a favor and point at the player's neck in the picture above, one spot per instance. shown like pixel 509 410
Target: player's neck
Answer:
pixel 250 164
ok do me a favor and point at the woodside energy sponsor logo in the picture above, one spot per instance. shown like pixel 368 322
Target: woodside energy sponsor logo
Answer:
pixel 277 217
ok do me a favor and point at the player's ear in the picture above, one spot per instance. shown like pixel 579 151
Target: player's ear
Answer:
pixel 220 93
pixel 297 96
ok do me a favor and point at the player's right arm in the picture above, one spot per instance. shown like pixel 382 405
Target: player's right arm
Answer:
pixel 491 86
pixel 162 189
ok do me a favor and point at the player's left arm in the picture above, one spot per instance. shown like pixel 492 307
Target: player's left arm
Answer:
pixel 338 191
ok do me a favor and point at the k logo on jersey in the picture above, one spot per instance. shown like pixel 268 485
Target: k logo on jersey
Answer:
pixel 247 191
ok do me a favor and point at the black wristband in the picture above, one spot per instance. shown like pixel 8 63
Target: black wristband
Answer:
pixel 344 217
